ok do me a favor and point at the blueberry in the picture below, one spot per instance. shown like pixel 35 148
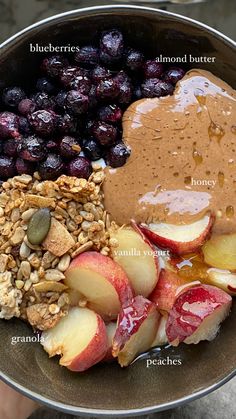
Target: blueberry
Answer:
pixel 43 122
pixel 134 60
pixel 123 82
pixel 10 147
pixel 111 46
pixel 69 147
pixel 45 85
pixel 76 102
pixel 125 93
pixel 107 89
pixel 81 83
pixel 43 101
pixel 7 167
pixel 52 167
pixel 67 124
pixel 26 106
pixel 60 99
pixel 137 93
pixel 12 96
pixel 100 73
pixel 9 125
pixel 122 77
pixel 110 113
pixel 54 65
pixel 173 75
pixel 106 59
pixel 80 167
pixel 52 145
pixel 153 69
pixel 24 126
pixel 156 88
pixel 87 55
pixel 69 74
pixel 91 149
pixel 105 134
pixel 32 148
pixel 117 155
pixel 24 167
pixel 89 126
pixel 93 99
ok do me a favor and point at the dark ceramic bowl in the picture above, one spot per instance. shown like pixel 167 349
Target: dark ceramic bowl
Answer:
pixel 108 390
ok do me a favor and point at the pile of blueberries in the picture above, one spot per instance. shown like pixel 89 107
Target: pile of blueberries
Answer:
pixel 74 115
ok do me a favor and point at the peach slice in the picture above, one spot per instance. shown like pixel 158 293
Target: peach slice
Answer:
pixel 180 239
pixel 197 314
pixel 111 330
pixel 101 281
pixel 161 338
pixel 223 279
pixel 80 338
pixel 220 251
pixel 136 329
pixel 138 258
pixel 164 295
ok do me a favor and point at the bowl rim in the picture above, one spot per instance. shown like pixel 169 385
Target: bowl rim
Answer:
pixel 107 413
pixel 108 7
pixel 71 409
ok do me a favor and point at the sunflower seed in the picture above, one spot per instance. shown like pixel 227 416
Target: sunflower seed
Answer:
pixel 54 275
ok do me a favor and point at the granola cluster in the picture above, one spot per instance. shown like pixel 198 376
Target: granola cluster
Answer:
pixel 31 276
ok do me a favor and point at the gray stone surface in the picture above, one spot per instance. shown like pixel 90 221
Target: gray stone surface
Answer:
pixel 221 14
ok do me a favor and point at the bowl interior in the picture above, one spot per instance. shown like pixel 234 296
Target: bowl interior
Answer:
pixel 107 387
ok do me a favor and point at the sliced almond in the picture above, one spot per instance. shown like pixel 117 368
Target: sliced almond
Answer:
pixel 58 241
pixel 39 201
pixel 47 286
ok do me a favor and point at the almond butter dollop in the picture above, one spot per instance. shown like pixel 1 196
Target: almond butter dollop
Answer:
pixel 183 156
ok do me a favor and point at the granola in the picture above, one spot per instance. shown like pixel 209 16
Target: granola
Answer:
pixel 31 275
pixel 10 297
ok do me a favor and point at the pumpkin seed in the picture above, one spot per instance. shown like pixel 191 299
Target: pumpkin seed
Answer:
pixel 39 226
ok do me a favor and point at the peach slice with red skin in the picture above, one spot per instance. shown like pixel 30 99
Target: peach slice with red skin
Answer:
pixel 180 239
pixel 164 295
pixel 101 281
pixel 197 314
pixel 80 338
pixel 137 256
pixel 136 329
